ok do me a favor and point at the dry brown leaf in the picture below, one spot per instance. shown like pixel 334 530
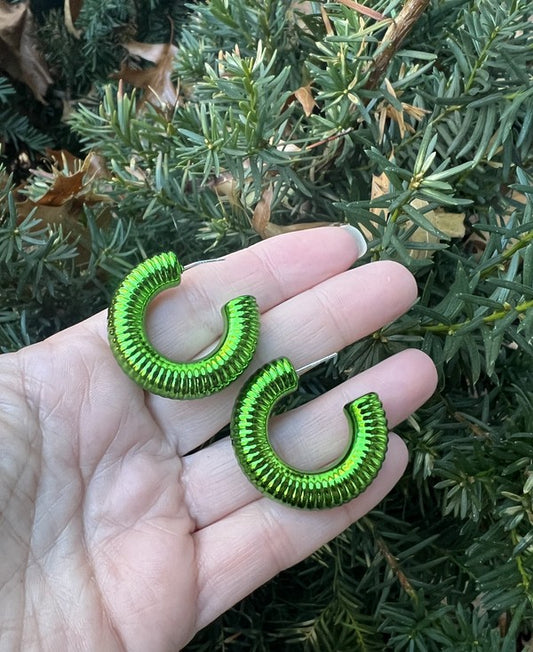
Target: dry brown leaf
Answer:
pixel 277 229
pixel 299 8
pixel 306 99
pixel 309 9
pixel 451 224
pixel 304 6
pixel 19 55
pixel 477 241
pixel 66 162
pixel 69 215
pixel 64 202
pixel 327 22
pixel 385 110
pixel 66 185
pixel 72 10
pixel 225 188
pixel 265 228
pixel 261 214
pixel 156 83
pixel 380 186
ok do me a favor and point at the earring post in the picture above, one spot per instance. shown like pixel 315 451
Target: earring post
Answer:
pixel 311 365
pixel 203 262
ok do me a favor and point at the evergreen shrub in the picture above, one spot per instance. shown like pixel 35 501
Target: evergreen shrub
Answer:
pixel 417 128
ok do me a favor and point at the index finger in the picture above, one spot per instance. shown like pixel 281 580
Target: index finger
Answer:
pixel 182 321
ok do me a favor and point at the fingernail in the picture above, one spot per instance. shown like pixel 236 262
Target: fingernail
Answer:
pixel 358 237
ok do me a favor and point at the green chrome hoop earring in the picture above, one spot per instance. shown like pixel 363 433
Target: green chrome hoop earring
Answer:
pixel 154 372
pixel 347 478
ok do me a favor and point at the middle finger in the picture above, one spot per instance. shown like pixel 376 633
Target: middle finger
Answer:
pixel 305 328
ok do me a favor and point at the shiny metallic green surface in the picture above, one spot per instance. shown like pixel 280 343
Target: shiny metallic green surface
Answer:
pixel 157 374
pixel 312 490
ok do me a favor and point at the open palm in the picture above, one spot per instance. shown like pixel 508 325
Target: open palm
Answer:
pixel 114 532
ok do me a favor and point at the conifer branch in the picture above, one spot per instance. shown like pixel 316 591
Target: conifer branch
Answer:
pixel 394 37
pixel 453 329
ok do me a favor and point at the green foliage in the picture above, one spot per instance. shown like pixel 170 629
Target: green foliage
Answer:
pixel 446 562
pixel 15 127
pixel 79 62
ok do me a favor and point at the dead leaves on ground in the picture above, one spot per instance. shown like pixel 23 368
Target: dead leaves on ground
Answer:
pixel 19 55
pixel 304 95
pixel 449 224
pixel 73 179
pixel 156 82
pixel 21 59
pixel 396 111
pixel 65 191
pixel 263 211
pixel 477 240
pixel 69 185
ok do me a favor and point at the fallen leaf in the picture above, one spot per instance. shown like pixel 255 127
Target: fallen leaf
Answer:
pixel 306 99
pixel 385 111
pixel 380 186
pixel 225 188
pixel 299 9
pixel 477 240
pixel 67 191
pixel 19 54
pixel 72 10
pixel 159 90
pixel 67 182
pixel 69 216
pixel 261 214
pixel 450 224
pixel 303 6
pixel 265 228
pixel 327 22
pixel 63 159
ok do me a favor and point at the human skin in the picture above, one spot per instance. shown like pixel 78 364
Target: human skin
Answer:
pixel 115 531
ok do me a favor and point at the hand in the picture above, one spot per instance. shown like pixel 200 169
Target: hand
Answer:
pixel 114 533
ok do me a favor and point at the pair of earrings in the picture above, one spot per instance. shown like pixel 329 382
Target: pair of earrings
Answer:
pixel 342 482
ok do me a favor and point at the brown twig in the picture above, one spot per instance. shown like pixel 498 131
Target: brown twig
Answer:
pixel 394 36
pixel 396 569
pixel 361 9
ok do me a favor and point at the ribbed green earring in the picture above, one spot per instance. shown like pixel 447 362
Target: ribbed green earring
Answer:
pixel 342 482
pixel 157 374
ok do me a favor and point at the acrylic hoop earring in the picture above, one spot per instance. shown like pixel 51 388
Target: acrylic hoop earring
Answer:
pixel 334 486
pixel 154 372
